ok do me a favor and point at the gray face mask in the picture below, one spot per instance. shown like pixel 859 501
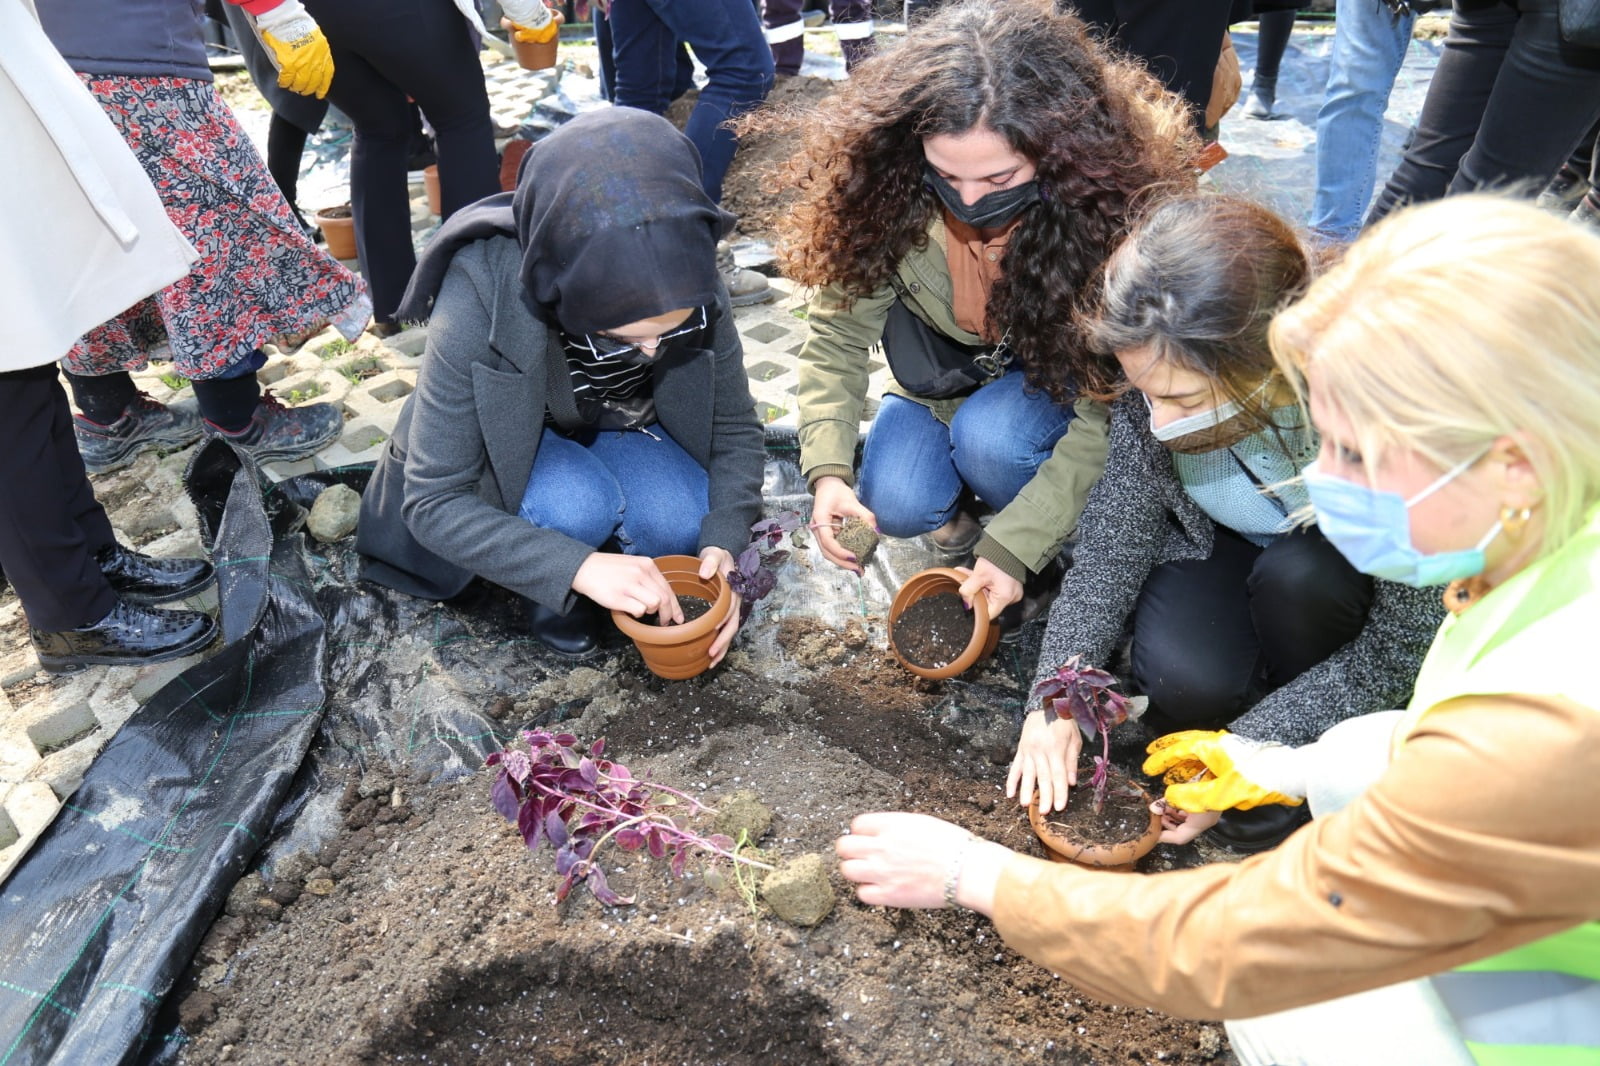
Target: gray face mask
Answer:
pixel 994 209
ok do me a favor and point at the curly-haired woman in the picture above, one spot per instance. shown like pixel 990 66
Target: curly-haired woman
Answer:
pixel 955 197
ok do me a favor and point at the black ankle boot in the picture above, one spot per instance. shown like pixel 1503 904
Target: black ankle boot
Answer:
pixel 143 579
pixel 130 635
pixel 573 635
pixel 1259 828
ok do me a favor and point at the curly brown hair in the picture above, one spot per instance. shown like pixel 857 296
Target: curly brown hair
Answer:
pixel 1104 137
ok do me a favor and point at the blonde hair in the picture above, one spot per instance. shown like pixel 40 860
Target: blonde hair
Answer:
pixel 1454 323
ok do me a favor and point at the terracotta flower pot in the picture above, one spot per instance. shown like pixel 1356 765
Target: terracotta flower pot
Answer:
pixel 1063 847
pixel 535 56
pixel 682 651
pixel 430 181
pixel 338 231
pixel 985 635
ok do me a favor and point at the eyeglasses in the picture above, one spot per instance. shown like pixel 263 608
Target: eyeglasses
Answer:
pixel 606 347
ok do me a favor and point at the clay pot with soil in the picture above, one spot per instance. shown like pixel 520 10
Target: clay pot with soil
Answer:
pixel 430 181
pixel 338 227
pixel 932 632
pixel 1112 838
pixel 678 652
pixel 536 55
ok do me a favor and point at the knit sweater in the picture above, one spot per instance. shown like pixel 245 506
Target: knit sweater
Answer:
pixel 1138 517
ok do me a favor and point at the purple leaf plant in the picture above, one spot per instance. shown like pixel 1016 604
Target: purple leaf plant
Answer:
pixel 756 573
pixel 578 802
pixel 1084 694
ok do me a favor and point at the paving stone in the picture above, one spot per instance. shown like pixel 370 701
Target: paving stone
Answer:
pixel 17 661
pixel 18 755
pixel 63 770
pixel 337 455
pixel 31 806
pixel 148 680
pixel 60 712
pixel 113 701
pixel 409 342
pixel 283 471
pixel 8 830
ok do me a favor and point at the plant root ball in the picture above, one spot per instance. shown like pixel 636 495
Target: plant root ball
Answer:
pixel 742 810
pixel 858 538
pixel 799 891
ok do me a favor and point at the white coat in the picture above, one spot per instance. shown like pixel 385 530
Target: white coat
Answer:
pixel 83 235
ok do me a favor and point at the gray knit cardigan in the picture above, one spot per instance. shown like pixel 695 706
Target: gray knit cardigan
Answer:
pixel 1138 517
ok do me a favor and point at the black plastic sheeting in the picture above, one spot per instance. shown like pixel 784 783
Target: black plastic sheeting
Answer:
pixel 241 760
pixel 104 913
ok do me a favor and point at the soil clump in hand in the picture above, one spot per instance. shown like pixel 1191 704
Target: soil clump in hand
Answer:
pixel 858 538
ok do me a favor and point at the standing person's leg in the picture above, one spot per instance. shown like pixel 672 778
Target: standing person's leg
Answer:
pixel 1272 40
pixel 286 143
pixel 852 21
pixel 644 55
pixel 118 421
pixel 59 553
pixel 1546 98
pixel 726 37
pixel 1480 35
pixel 1369 46
pixel 785 31
pixel 1575 178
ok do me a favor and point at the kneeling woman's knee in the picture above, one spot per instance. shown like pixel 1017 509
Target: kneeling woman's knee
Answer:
pixel 589 516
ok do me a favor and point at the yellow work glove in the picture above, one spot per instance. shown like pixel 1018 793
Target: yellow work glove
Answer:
pixel 1213 770
pixel 305 64
pixel 529 21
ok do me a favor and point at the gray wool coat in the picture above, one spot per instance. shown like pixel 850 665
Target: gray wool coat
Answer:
pixel 1138 517
pixel 442 504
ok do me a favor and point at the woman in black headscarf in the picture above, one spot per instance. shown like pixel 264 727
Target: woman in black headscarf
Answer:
pixel 582 404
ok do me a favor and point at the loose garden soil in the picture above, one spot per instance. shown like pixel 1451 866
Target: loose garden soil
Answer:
pixel 691 606
pixel 934 631
pixel 425 931
pixel 1126 815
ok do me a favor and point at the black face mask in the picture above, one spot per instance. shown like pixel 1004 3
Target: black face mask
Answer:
pixel 994 209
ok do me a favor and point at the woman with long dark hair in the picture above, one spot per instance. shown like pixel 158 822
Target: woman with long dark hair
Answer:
pixel 955 197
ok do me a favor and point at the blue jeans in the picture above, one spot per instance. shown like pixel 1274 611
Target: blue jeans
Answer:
pixel 1369 45
pixel 648 67
pixel 914 467
pixel 639 489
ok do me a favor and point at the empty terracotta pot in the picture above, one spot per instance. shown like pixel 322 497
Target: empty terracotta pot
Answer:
pixel 339 231
pixel 430 181
pixel 985 635
pixel 1065 848
pixel 681 651
pixel 532 55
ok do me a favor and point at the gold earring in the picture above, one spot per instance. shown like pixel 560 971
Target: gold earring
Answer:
pixel 1514 519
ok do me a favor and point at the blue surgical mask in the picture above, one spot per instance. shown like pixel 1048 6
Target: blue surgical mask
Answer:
pixel 1372 529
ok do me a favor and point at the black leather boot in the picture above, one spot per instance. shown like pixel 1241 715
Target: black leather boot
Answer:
pixel 573 635
pixel 1259 828
pixel 130 635
pixel 144 579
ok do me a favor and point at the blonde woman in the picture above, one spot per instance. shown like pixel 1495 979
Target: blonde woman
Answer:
pixel 1452 366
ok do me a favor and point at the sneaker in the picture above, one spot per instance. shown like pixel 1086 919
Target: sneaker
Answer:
pixel 745 287
pixel 129 634
pixel 144 424
pixel 1564 190
pixel 283 434
pixel 1263 98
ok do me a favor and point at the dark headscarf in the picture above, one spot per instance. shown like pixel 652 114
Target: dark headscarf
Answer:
pixel 612 221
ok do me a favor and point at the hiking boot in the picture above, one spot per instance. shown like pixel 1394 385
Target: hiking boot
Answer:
pixel 745 287
pixel 143 579
pixel 144 424
pixel 129 634
pixel 573 635
pixel 1259 828
pixel 283 434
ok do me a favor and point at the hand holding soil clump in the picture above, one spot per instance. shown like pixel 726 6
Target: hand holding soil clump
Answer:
pixel 858 538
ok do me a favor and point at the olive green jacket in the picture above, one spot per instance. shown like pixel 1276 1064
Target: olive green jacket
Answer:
pixel 834 364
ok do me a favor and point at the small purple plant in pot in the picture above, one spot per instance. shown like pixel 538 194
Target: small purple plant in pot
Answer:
pixel 757 571
pixel 578 802
pixel 1084 694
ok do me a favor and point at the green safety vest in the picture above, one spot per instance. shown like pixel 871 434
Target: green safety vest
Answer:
pixel 1539 1004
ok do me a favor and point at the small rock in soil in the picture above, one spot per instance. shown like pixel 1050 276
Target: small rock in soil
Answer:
pixel 799 891
pixel 242 898
pixel 742 811
pixel 858 538
pixel 333 517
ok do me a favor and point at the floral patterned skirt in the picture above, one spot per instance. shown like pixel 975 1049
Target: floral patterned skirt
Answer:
pixel 258 274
